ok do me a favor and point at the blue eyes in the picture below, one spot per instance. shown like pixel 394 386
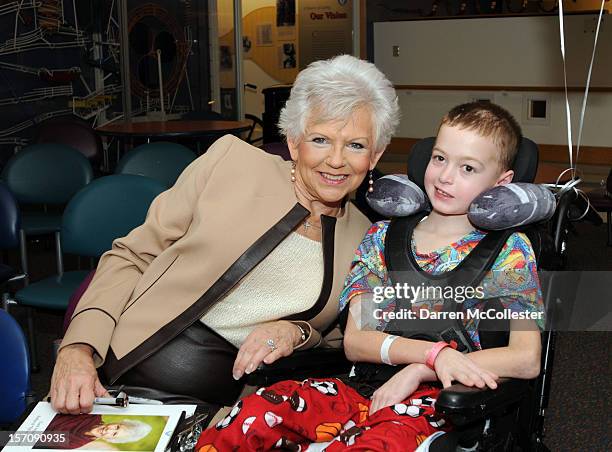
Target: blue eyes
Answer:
pixel 353 146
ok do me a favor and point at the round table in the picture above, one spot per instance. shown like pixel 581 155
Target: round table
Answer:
pixel 187 129
pixel 180 128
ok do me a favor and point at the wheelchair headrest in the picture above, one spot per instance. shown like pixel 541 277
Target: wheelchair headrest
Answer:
pixel 525 164
pixel 501 207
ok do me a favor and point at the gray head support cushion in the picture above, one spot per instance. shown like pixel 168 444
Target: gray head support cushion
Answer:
pixel 397 196
pixel 501 207
pixel 511 205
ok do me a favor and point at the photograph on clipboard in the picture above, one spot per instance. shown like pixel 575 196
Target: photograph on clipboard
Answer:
pixel 135 428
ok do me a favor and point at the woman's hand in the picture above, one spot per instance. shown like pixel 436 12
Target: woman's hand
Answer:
pixel 453 365
pixel 256 349
pixel 75 382
pixel 399 387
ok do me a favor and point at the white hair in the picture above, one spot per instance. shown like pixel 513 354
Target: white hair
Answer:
pixel 333 90
pixel 137 431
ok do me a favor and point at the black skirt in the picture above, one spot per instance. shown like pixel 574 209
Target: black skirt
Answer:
pixel 194 367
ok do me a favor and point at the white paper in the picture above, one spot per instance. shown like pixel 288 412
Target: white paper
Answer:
pixel 153 425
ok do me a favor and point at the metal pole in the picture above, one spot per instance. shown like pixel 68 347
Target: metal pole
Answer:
pixel 238 52
pixel 356 30
pixel 98 72
pixel 213 47
pixel 124 48
pixel 161 84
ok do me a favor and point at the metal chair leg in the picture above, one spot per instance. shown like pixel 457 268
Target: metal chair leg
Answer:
pixel 58 254
pixel 23 251
pixel 106 156
pixel 32 341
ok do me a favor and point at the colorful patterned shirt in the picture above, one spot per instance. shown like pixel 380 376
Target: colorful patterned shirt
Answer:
pixel 513 279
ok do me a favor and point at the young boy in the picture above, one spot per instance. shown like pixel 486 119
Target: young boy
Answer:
pixel 474 151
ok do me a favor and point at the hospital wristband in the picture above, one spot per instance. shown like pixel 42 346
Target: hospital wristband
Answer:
pixel 434 351
pixel 384 349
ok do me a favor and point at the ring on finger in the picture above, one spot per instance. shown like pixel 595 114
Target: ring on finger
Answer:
pixel 270 343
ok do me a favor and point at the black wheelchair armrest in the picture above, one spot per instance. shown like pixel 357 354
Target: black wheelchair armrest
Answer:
pixel 316 362
pixel 463 405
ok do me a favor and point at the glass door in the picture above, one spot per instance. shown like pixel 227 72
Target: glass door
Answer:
pixel 259 44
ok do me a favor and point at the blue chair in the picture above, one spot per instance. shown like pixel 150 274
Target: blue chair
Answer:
pixel 108 208
pixel 10 224
pixel 15 392
pixel 160 160
pixel 48 174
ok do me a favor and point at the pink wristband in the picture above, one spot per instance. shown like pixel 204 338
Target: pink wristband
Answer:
pixel 433 353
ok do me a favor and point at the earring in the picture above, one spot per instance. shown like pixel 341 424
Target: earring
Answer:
pixel 371 183
pixel 292 171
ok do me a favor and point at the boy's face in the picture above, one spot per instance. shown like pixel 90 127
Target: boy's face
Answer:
pixel 463 164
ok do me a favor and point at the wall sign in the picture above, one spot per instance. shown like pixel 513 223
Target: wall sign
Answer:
pixel 325 29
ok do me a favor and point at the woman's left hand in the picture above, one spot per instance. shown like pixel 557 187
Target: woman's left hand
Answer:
pixel 400 386
pixel 257 347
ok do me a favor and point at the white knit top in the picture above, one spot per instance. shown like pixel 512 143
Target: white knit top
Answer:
pixel 286 282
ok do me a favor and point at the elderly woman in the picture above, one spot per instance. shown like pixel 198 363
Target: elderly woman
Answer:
pixel 242 261
pixel 91 432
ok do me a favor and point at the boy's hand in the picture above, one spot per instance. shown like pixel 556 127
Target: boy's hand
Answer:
pixel 452 365
pixel 400 386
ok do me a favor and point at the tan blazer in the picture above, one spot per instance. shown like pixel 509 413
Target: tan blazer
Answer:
pixel 225 213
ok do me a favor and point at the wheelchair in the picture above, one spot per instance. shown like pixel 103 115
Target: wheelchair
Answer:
pixel 508 418
pixel 511 417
